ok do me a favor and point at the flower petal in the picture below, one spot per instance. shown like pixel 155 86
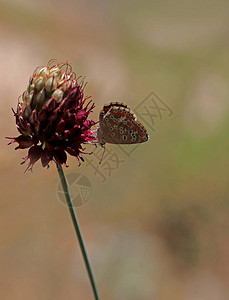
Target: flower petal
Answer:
pixel 34 154
pixel 23 141
pixel 60 156
pixel 46 157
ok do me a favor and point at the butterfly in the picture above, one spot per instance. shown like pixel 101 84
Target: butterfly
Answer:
pixel 118 125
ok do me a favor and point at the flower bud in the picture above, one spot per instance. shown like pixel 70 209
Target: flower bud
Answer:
pixel 49 116
pixel 27 111
pixel 40 98
pixel 31 87
pixel 39 83
pixel 28 97
pixel 58 95
pixel 43 72
pixel 55 72
pixel 66 86
pixel 51 84
pixel 25 95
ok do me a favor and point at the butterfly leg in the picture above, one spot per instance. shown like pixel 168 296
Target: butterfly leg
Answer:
pixel 103 146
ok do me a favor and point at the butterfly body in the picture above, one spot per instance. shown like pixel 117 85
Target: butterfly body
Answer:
pixel 118 125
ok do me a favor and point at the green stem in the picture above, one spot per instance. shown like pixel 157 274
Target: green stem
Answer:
pixel 77 229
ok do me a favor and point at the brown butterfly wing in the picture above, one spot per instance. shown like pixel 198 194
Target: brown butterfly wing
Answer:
pixel 107 107
pixel 119 125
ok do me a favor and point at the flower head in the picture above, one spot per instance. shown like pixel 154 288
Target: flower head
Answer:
pixel 52 116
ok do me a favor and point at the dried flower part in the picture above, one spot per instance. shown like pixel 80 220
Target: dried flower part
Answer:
pixel 52 116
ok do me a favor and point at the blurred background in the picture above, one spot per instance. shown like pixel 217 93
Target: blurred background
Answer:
pixel 157 226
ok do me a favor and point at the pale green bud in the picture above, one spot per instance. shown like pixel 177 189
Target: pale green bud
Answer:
pixel 28 97
pixel 66 86
pixel 40 97
pixel 51 84
pixel 31 87
pixel 55 72
pixel 43 72
pixel 27 110
pixel 25 95
pixel 58 94
pixel 39 83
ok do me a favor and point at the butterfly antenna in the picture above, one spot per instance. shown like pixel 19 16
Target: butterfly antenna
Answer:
pixel 102 154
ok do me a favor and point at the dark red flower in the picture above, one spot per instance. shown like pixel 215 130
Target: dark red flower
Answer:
pixel 52 117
